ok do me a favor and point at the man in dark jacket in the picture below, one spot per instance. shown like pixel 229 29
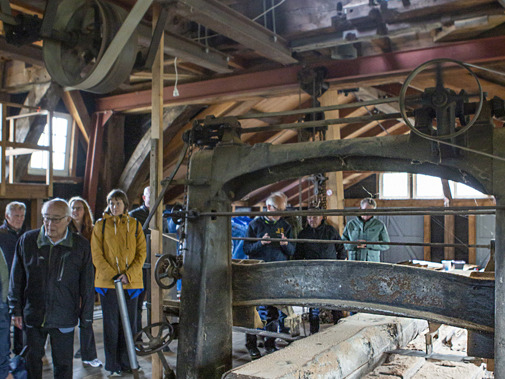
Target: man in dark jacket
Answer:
pixel 51 288
pixel 269 227
pixel 10 231
pixel 318 229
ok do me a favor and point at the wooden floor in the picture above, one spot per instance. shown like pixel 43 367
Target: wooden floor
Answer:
pixel 240 356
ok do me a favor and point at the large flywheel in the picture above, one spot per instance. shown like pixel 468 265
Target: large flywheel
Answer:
pixel 88 28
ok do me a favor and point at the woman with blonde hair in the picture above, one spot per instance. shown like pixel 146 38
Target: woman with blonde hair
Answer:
pixel 118 246
pixel 82 223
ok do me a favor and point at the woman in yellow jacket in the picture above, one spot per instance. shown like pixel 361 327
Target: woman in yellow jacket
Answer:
pixel 118 247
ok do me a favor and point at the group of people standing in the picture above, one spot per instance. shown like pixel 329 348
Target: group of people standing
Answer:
pixel 51 275
pixel 365 228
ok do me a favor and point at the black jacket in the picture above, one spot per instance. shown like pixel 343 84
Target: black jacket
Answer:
pixel 52 286
pixel 140 214
pixel 273 251
pixel 309 250
pixel 8 239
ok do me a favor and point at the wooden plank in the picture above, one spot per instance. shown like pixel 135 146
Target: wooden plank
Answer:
pixel 449 222
pixel 472 238
pixel 49 170
pixel 94 159
pixel 75 105
pixel 29 129
pixel 74 140
pixel 156 174
pixel 25 191
pixel 113 157
pixel 427 237
pixel 335 183
pixel 5 137
pixel 35 211
pixel 234 25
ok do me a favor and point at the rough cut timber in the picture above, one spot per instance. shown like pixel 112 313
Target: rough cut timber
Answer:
pixel 350 349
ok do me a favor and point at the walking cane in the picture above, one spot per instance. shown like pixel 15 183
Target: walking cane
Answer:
pixel 127 328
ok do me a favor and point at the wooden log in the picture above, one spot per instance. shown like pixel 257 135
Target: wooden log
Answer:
pixel 352 348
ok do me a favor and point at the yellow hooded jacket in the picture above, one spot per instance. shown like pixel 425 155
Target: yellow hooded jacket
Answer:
pixel 119 247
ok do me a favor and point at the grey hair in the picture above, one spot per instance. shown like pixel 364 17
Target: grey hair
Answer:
pixel 369 201
pixel 60 202
pixel 277 200
pixel 14 205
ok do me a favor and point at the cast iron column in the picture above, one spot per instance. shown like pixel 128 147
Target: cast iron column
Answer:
pixel 205 340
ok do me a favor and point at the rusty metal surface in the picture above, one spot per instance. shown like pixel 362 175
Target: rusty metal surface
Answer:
pixel 232 170
pixel 369 287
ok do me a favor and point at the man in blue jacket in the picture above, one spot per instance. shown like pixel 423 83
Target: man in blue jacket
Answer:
pixel 366 228
pixel 269 227
pixel 51 288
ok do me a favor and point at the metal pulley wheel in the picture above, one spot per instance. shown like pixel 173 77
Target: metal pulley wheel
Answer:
pixel 439 99
pixel 153 338
pixel 166 271
pixel 86 29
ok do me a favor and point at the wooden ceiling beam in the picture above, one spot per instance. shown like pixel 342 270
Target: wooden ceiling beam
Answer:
pixel 27 53
pixel 234 25
pixel 75 105
pixel 341 73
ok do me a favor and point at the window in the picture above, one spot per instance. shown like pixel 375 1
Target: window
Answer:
pixel 461 190
pixel 61 151
pixel 397 186
pixel 427 187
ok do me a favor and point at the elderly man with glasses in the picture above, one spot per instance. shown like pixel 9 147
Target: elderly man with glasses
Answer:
pixel 51 288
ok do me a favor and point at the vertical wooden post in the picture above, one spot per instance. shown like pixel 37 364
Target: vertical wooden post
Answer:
pixel 49 172
pixel 427 237
pixel 12 138
pixel 449 252
pixel 36 216
pixel 472 239
pixel 156 174
pixel 449 230
pixel 4 147
pixel 335 179
pixel 72 156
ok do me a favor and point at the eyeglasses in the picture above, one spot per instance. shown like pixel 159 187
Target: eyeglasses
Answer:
pixel 54 220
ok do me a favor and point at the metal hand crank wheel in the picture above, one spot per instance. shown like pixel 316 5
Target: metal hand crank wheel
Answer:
pixel 147 342
pixel 164 271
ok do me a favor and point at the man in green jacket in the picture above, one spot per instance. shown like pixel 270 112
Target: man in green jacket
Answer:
pixel 367 229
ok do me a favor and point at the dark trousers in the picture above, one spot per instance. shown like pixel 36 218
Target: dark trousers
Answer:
pixel 62 349
pixel 18 340
pixel 314 318
pixel 87 341
pixel 141 299
pixel 116 353
pixel 271 315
